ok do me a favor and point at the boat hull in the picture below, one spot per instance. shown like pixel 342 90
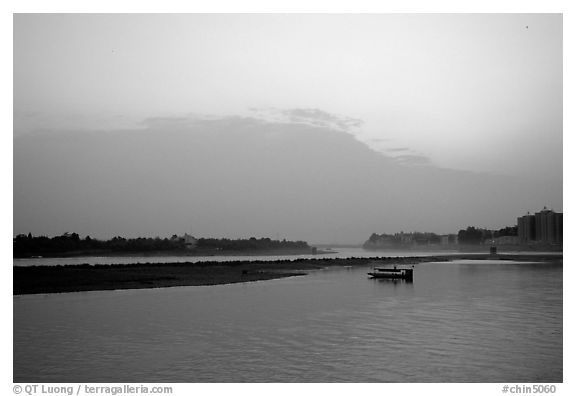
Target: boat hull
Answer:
pixel 407 274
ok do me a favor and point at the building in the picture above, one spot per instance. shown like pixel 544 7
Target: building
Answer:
pixel 189 241
pixel 545 226
pixel 559 228
pixel 450 239
pixel 548 226
pixel 526 228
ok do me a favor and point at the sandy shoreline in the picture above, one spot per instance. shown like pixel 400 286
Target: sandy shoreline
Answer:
pixel 75 278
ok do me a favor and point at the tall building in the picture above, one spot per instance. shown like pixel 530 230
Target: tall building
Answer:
pixel 526 228
pixel 559 228
pixel 545 226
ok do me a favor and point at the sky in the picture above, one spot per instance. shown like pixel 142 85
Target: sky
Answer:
pixel 460 113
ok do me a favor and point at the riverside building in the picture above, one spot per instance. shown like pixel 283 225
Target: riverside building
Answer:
pixel 543 227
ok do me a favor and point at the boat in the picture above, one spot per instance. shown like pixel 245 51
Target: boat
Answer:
pixel 393 273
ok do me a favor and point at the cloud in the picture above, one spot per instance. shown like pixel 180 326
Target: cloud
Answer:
pixel 195 120
pixel 412 159
pixel 272 120
pixel 322 118
pixel 309 116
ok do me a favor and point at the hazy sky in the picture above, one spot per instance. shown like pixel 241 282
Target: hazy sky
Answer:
pixel 480 93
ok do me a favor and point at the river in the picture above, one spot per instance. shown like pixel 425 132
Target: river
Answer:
pixel 332 253
pixel 464 321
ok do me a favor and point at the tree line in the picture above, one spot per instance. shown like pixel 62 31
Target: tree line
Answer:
pixel 470 236
pixel 71 244
pixel 473 236
pixel 250 244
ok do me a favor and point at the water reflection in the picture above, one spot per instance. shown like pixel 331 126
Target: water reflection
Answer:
pixel 455 323
pixel 392 281
pixel 339 253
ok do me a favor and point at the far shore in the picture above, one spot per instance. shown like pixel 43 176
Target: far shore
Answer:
pixel 85 277
pixel 181 253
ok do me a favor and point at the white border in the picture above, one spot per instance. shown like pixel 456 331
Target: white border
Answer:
pixel 335 6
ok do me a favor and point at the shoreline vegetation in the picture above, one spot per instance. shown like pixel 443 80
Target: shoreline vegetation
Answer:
pixel 71 245
pixel 85 277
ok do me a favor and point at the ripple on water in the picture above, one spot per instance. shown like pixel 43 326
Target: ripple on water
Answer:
pixel 455 323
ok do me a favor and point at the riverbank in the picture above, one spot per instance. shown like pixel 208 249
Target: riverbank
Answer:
pixel 75 278
pixel 179 253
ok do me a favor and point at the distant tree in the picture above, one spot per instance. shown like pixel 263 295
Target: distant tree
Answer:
pixel 26 246
pixel 506 231
pixel 471 235
pixel 374 237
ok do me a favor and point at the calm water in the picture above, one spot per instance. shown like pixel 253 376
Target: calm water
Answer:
pixel 336 253
pixel 458 322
